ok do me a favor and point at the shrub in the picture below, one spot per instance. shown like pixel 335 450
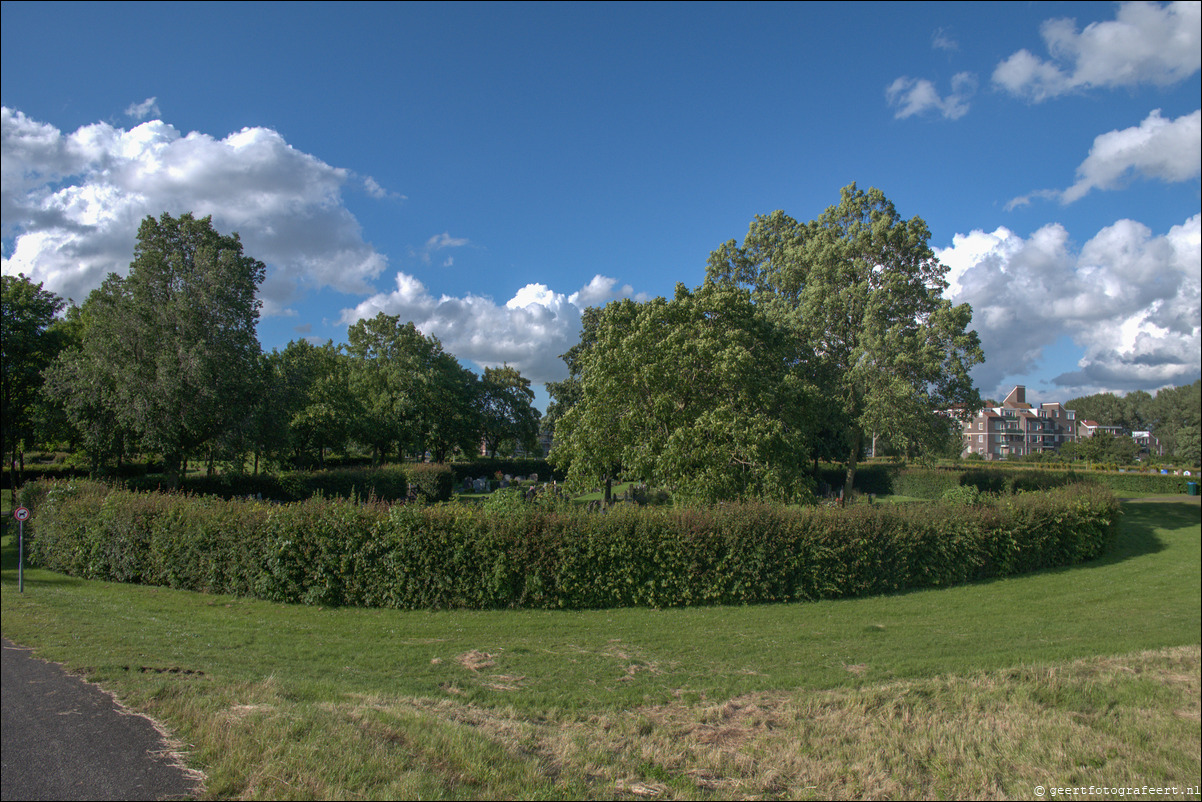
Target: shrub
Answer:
pixel 964 495
pixel 925 482
pixel 431 482
pixel 515 554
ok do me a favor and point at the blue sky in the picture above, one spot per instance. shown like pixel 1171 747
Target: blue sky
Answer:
pixel 488 170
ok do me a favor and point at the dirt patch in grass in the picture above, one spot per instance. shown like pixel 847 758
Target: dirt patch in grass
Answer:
pixel 475 660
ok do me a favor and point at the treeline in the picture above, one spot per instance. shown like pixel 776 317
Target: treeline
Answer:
pixel 1172 414
pixel 805 343
pixel 165 362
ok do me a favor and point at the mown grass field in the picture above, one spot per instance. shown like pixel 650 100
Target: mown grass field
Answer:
pixel 1082 676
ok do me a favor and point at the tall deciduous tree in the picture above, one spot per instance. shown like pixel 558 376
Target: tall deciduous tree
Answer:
pixel 174 342
pixel 507 410
pixel 699 393
pixel 861 289
pixel 27 347
pixel 566 394
pixel 313 402
pixel 413 394
pixel 83 381
pixel 388 377
pixel 450 417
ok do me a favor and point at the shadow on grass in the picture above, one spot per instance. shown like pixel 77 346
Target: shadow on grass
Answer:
pixel 1137 529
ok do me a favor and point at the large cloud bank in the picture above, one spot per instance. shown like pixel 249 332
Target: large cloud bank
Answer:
pixel 1128 297
pixel 73 203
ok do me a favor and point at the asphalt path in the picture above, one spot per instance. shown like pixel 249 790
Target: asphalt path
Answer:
pixel 64 738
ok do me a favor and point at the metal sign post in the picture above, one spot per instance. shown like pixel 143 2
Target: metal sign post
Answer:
pixel 22 515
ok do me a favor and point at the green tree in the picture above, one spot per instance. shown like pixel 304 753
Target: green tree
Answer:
pixel 450 419
pixel 387 377
pixel 82 382
pixel 507 411
pixel 861 289
pixel 1107 409
pixel 1176 413
pixel 414 396
pixel 698 394
pixel 173 344
pixel 27 347
pixel 313 399
pixel 566 394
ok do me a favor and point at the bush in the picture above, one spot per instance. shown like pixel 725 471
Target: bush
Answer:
pixel 516 554
pixel 431 482
pixel 925 482
pixel 964 495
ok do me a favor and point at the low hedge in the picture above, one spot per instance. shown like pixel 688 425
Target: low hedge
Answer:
pixel 386 483
pixel 334 552
pixel 932 483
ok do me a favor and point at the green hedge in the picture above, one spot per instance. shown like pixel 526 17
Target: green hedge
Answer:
pixel 334 552
pixel 386 483
pixel 932 483
pixel 1145 482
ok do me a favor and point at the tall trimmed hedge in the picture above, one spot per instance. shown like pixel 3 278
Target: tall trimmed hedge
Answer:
pixel 334 552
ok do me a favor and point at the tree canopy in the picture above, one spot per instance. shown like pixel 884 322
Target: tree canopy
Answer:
pixel 698 393
pixel 173 344
pixel 861 290
pixel 27 347
pixel 507 413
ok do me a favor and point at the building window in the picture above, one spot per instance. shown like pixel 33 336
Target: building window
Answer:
pixel 980 426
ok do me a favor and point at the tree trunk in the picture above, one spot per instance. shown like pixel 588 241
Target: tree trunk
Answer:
pixel 12 472
pixel 609 490
pixel 176 467
pixel 857 440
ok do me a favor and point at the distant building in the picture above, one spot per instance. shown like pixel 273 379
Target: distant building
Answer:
pixel 1148 444
pixel 1017 429
pixel 1088 428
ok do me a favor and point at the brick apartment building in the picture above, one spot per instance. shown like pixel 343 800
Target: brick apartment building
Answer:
pixel 1016 428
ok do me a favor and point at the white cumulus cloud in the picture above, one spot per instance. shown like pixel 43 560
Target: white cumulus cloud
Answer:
pixel 529 331
pixel 1146 43
pixel 916 96
pixel 1170 150
pixel 1130 299
pixel 147 108
pixel 72 203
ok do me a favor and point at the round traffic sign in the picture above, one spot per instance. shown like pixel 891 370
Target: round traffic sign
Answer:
pixel 21 514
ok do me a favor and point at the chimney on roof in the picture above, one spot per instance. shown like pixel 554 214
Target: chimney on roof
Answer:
pixel 1017 397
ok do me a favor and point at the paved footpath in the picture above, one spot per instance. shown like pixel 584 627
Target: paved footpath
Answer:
pixel 66 739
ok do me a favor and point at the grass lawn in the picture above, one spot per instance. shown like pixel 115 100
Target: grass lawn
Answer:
pixel 1082 676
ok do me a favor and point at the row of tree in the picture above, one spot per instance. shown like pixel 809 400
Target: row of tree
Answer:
pixel 165 361
pixel 803 342
pixel 1172 414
